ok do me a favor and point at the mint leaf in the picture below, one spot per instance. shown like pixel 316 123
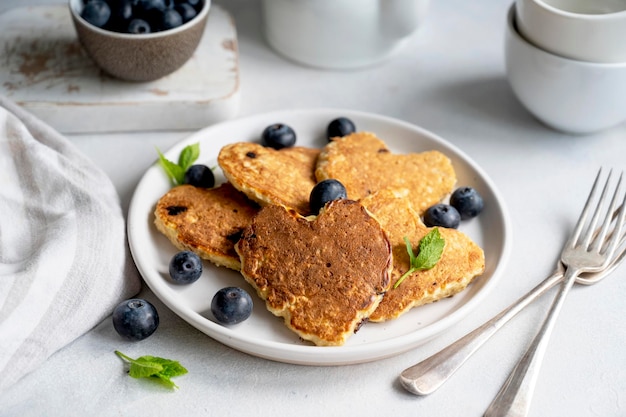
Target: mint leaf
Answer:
pixel 176 171
pixel 430 250
pixel 429 253
pixel 188 156
pixel 172 170
pixel 154 367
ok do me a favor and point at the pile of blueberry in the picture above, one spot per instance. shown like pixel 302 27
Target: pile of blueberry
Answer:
pixel 139 16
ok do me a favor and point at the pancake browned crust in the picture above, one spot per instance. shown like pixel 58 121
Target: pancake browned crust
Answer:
pixel 461 261
pixel 268 176
pixel 324 275
pixel 205 221
pixel 363 164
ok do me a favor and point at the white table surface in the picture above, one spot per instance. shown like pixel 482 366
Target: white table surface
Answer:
pixel 449 79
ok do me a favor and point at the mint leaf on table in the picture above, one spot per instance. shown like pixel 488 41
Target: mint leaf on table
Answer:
pixel 429 253
pixel 154 367
pixel 176 170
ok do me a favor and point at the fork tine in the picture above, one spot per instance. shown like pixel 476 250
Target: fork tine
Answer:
pixel 582 219
pixel 608 217
pixel 614 240
pixel 598 242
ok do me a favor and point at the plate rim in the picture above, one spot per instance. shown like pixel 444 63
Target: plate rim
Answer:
pixel 325 355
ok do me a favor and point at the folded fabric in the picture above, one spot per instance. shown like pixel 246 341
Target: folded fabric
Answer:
pixel 64 260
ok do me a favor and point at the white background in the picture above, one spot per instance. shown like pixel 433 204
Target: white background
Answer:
pixel 449 79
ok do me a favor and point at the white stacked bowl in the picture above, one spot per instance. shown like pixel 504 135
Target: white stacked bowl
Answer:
pixel 581 94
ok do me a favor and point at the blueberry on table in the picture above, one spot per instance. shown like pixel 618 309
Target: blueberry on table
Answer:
pixel 231 305
pixel 199 176
pixel 340 127
pixel 135 319
pixel 467 201
pixel 278 136
pixel 96 12
pixel 443 215
pixel 325 191
pixel 185 267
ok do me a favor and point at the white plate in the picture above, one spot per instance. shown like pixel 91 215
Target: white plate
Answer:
pixel 263 334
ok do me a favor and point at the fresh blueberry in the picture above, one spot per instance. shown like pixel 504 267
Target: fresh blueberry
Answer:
pixel 185 267
pixel 442 215
pixel 171 19
pixel 138 26
pixel 186 10
pixel 196 4
pixel 467 201
pixel 278 136
pixel 325 191
pixel 121 14
pixel 231 305
pixel 96 12
pixel 135 319
pixel 200 176
pixel 340 127
pixel 146 5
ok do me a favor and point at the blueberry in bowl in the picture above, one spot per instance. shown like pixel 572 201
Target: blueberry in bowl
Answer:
pixel 139 40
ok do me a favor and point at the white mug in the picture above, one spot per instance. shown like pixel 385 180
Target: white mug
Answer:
pixel 585 30
pixel 340 34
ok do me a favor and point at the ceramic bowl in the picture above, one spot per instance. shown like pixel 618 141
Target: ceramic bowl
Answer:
pixel 585 30
pixel 139 57
pixel 572 96
pixel 341 34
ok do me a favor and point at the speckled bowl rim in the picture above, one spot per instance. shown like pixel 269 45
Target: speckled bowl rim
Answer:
pixel 74 5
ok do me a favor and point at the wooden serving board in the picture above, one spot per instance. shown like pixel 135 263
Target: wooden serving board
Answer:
pixel 44 69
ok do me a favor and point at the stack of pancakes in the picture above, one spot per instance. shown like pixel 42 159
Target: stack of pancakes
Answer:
pixel 325 275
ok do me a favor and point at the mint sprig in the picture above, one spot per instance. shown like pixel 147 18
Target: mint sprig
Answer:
pixel 154 367
pixel 429 253
pixel 176 170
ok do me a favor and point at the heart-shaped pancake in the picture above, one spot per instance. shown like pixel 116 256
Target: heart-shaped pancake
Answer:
pixel 363 164
pixel 268 176
pixel 462 259
pixel 205 221
pixel 324 275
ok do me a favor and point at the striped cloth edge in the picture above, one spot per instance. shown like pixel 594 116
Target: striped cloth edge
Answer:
pixel 64 260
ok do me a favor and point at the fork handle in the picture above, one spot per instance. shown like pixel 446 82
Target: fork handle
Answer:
pixel 514 398
pixel 428 375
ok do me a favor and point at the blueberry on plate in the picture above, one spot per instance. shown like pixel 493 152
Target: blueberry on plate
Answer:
pixel 325 191
pixel 467 201
pixel 278 136
pixel 340 127
pixel 185 267
pixel 231 305
pixel 199 176
pixel 96 12
pixel 443 215
pixel 135 319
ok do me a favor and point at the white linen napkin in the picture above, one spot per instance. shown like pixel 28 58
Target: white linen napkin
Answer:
pixel 64 261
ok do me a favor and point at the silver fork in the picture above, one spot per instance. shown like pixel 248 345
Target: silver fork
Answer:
pixel 585 251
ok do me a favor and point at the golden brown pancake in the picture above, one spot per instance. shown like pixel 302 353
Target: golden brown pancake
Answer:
pixel 324 275
pixel 284 177
pixel 461 261
pixel 205 221
pixel 363 164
